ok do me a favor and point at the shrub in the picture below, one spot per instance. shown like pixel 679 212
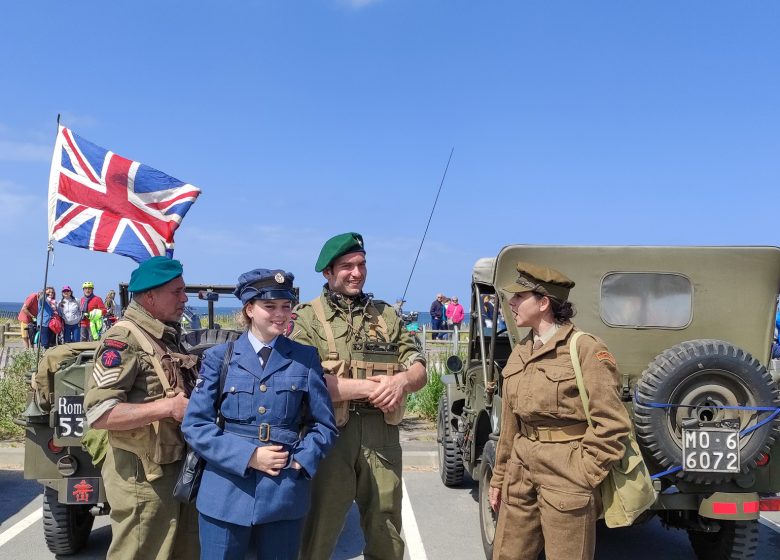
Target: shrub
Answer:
pixel 13 393
pixel 425 402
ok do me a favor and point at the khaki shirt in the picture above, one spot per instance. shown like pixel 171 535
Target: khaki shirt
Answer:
pixel 540 389
pixel 349 324
pixel 123 372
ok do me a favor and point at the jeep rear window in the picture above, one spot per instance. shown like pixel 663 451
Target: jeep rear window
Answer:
pixel 646 300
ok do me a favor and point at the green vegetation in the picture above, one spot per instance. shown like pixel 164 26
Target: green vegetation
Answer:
pixel 425 402
pixel 13 393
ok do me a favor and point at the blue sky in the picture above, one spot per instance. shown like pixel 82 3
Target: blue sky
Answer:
pixel 603 122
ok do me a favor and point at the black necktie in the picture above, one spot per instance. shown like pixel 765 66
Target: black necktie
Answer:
pixel 264 353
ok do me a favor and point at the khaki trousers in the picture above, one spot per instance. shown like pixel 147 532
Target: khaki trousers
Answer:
pixel 546 503
pixel 365 467
pixel 146 521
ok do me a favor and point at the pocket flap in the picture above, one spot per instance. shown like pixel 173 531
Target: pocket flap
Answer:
pixel 292 383
pixel 239 384
pixel 556 373
pixel 564 501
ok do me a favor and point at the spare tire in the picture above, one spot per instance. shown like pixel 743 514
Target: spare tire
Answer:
pixel 197 342
pixel 703 375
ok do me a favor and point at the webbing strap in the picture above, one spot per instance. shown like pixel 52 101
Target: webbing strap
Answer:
pixel 575 361
pixel 144 340
pixel 319 311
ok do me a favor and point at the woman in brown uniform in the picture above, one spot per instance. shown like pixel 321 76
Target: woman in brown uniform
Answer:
pixel 549 463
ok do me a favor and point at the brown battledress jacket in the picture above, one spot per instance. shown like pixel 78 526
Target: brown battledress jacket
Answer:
pixel 540 390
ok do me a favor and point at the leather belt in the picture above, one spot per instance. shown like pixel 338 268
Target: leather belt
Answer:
pixel 554 434
pixel 361 405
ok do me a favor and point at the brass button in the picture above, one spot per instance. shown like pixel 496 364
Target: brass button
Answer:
pixel 575 444
pixel 562 505
pixel 232 389
pixel 263 388
pixel 261 410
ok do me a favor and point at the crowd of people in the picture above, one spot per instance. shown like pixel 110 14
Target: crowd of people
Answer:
pixel 47 321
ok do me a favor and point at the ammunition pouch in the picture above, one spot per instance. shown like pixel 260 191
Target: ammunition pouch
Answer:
pixel 367 358
pixel 339 368
pixel 159 443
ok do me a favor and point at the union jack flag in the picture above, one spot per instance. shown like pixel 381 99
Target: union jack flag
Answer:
pixel 101 201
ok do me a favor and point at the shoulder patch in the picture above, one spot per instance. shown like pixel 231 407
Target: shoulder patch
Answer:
pixel 113 343
pixel 605 356
pixel 110 358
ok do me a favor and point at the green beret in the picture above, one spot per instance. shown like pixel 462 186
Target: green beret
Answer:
pixel 154 272
pixel 339 245
pixel 540 279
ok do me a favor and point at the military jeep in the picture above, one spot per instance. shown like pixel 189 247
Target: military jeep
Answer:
pixel 691 328
pixel 54 452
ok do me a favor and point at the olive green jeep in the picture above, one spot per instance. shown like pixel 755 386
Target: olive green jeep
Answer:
pixel 54 451
pixel 691 328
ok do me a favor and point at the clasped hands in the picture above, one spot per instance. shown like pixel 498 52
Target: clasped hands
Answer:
pixel 389 393
pixel 271 459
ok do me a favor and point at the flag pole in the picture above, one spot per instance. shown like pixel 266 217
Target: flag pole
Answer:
pixel 49 251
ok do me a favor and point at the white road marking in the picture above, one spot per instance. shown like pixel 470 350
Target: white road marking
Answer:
pixel 20 526
pixel 414 543
pixel 774 525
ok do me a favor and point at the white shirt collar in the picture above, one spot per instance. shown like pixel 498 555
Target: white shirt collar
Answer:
pixel 258 344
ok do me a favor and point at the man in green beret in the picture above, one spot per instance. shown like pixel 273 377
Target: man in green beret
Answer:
pixel 138 392
pixel 371 363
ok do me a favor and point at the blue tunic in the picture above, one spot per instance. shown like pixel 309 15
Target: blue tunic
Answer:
pixel 286 403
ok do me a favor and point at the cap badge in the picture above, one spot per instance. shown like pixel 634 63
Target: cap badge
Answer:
pixel 523 281
pixel 279 278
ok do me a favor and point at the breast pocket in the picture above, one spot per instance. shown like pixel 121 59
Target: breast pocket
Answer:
pixel 238 399
pixel 290 393
pixel 552 387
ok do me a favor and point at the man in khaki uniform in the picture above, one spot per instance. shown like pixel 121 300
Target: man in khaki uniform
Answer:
pixel 549 462
pixel 371 363
pixel 138 392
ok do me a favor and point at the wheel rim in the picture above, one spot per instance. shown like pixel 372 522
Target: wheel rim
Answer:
pixel 488 516
pixel 702 393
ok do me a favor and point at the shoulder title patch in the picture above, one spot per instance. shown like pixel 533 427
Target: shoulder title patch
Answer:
pixel 605 356
pixel 110 358
pixel 113 343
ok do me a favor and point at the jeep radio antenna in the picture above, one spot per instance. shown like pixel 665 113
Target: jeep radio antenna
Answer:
pixel 441 184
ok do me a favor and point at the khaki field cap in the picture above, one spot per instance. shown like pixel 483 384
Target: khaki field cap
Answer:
pixel 540 279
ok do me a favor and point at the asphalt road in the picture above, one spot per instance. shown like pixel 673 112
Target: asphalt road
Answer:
pixel 440 524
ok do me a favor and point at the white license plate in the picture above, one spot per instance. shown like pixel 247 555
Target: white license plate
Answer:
pixel 711 450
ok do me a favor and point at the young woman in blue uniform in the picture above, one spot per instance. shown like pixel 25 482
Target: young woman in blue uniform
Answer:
pixel 278 425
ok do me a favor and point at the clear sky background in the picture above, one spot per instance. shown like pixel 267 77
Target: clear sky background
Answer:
pixel 600 122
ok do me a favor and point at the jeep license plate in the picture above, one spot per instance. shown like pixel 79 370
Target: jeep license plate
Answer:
pixel 70 416
pixel 82 490
pixel 711 450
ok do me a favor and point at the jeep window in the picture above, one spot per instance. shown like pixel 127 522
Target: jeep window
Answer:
pixel 646 300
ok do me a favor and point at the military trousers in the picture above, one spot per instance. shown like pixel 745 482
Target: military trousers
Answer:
pixel 546 503
pixel 365 467
pixel 146 521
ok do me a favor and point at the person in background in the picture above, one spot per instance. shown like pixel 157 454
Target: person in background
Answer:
pixel 445 323
pixel 260 461
pixel 110 317
pixel 88 303
pixel 437 314
pixel 28 317
pixel 399 306
pixel 487 312
pixel 71 316
pixel 47 338
pixel 455 314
